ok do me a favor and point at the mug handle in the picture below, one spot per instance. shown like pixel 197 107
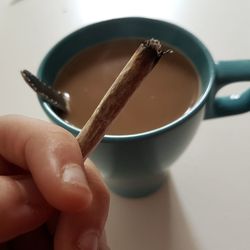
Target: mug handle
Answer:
pixel 228 72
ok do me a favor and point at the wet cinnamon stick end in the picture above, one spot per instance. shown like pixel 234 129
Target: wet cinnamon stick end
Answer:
pixel 141 63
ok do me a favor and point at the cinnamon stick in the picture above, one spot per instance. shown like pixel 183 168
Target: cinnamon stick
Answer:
pixel 141 63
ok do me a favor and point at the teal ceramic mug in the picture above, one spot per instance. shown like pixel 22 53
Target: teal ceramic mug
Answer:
pixel 134 165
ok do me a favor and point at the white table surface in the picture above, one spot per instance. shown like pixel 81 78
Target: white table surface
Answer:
pixel 205 204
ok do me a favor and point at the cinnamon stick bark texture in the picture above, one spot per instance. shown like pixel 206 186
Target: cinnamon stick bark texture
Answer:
pixel 141 63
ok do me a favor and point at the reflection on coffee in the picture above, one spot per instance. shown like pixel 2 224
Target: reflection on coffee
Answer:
pixel 165 94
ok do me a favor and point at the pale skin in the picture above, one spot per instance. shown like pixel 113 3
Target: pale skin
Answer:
pixel 49 197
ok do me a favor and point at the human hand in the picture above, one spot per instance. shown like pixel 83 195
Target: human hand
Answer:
pixel 49 198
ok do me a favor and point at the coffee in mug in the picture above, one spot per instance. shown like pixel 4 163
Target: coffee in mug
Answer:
pixel 169 91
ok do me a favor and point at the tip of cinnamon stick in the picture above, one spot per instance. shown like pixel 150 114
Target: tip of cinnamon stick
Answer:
pixel 157 46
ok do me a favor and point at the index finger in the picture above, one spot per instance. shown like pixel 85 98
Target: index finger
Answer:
pixel 53 157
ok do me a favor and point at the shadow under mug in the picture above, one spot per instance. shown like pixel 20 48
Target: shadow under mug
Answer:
pixel 134 165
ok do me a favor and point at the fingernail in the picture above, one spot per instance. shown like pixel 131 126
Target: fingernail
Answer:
pixel 74 175
pixel 88 241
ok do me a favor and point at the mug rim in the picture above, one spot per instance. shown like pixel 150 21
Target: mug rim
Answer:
pixel 151 133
